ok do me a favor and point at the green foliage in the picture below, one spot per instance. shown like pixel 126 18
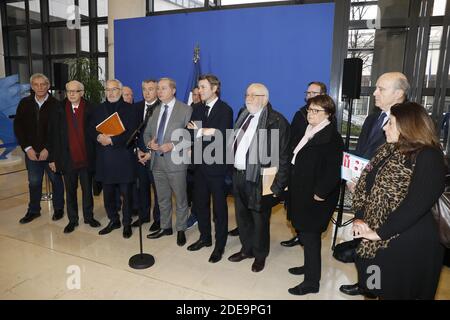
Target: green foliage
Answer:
pixel 354 130
pixel 85 70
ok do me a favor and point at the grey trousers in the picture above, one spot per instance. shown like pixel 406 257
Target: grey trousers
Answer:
pixel 168 182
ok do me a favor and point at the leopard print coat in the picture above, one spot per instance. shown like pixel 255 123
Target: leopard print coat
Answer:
pixel 388 191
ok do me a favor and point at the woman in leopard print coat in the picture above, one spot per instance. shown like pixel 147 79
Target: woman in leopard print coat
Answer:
pixel 400 256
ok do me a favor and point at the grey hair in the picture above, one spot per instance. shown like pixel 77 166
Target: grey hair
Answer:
pixel 77 82
pixel 117 81
pixel 39 75
pixel 172 82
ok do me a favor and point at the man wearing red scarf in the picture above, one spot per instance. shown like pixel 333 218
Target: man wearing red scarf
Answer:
pixel 72 152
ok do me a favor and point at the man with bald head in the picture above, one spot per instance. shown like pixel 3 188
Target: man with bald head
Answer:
pixel 115 166
pixel 72 152
pixel 391 88
pixel 127 95
pixel 260 140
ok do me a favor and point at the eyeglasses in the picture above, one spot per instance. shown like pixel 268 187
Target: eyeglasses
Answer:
pixel 254 95
pixel 73 91
pixel 112 89
pixel 314 111
pixel 312 93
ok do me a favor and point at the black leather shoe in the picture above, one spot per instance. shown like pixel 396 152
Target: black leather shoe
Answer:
pixel 354 290
pixel 155 226
pixel 70 227
pixel 93 223
pixel 58 214
pixel 297 270
pixel 216 255
pixel 127 232
pixel 137 222
pixel 199 244
pixel 303 289
pixel 291 242
pixel 239 256
pixel 29 217
pixel 110 227
pixel 160 233
pixel 234 232
pixel 181 238
pixel 258 265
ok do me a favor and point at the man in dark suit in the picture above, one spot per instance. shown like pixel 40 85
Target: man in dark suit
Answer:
pixel 169 158
pixel 391 88
pixel 30 128
pixel 298 128
pixel 115 161
pixel 144 110
pixel 261 140
pixel 209 123
pixel 72 152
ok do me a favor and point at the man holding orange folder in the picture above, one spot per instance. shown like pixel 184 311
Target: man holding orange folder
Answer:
pixel 114 160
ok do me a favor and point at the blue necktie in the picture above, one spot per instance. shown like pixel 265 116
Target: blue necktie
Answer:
pixel 378 126
pixel 162 124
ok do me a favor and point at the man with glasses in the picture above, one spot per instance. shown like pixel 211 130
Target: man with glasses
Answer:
pixel 30 128
pixel 298 127
pixel 115 162
pixel 261 140
pixel 72 152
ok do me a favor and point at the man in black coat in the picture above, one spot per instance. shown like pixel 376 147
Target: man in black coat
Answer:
pixel 298 128
pixel 391 88
pixel 144 110
pixel 31 130
pixel 261 141
pixel 72 152
pixel 209 123
pixel 115 161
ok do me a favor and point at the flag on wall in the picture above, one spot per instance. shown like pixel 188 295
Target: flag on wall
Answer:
pixel 195 75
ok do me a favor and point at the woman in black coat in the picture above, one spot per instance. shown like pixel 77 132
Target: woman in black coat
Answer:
pixel 400 256
pixel 314 187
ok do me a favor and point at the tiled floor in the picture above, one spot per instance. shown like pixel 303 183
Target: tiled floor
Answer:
pixel 39 261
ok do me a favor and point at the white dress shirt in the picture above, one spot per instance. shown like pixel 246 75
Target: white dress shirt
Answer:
pixel 240 157
pixel 171 105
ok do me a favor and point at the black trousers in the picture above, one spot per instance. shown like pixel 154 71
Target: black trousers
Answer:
pixel 312 245
pixel 145 184
pixel 207 186
pixel 110 200
pixel 71 184
pixel 254 226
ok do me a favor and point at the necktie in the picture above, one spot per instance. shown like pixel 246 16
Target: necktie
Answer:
pixel 378 126
pixel 242 132
pixel 162 124
pixel 147 113
pixel 207 111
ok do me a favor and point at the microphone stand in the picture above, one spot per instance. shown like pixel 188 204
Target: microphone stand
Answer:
pixel 140 260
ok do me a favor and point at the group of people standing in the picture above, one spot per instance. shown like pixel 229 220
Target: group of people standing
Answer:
pixel 392 199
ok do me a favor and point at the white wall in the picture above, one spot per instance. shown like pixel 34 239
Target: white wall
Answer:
pixel 119 9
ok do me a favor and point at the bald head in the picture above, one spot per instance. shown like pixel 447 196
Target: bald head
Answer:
pixel 391 88
pixel 127 94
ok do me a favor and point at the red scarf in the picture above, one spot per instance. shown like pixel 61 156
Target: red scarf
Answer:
pixel 75 131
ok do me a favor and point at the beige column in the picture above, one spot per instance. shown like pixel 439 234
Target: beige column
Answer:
pixel 119 9
pixel 2 54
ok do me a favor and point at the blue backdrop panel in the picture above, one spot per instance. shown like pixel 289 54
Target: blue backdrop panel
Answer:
pixel 284 47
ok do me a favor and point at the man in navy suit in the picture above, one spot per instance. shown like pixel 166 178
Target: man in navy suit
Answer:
pixel 115 166
pixel 144 110
pixel 391 88
pixel 212 119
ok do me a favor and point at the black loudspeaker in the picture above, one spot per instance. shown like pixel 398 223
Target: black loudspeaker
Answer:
pixel 60 75
pixel 351 79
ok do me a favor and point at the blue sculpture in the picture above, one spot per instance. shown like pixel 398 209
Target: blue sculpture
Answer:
pixel 11 92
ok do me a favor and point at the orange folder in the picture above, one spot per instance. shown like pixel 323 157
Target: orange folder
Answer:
pixel 111 126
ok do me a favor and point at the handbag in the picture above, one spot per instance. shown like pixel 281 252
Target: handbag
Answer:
pixel 441 213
